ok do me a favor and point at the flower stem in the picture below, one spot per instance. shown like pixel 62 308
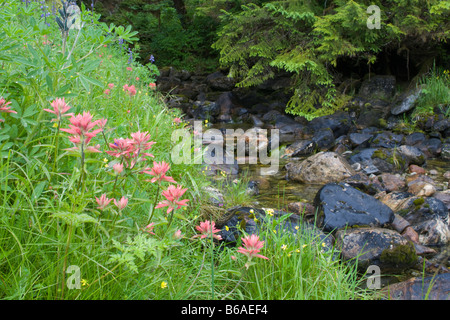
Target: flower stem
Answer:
pixel 154 204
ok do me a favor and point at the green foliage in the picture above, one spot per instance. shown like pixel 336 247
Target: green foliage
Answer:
pixel 435 93
pixel 174 40
pixel 308 40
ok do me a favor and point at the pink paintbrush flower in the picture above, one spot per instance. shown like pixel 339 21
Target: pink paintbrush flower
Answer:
pixel 140 142
pixel 111 85
pixel 177 235
pixel 118 168
pixel 159 170
pixel 177 120
pixel 252 246
pixel 81 130
pixel 149 228
pixel 173 195
pixel 103 201
pixel 206 228
pixel 121 147
pixel 60 107
pixel 4 106
pixel 122 203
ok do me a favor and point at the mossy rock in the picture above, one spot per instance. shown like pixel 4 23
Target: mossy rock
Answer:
pixel 400 256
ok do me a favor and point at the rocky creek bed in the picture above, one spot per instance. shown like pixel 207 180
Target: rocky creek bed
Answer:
pixel 357 177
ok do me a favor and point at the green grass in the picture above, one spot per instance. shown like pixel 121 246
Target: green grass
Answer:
pixel 50 226
pixel 435 94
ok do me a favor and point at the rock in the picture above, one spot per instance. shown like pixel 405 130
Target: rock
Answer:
pixel 429 288
pixel 301 208
pixel 422 189
pixel 287 125
pixel 431 147
pixel 392 182
pixel 324 139
pixel 378 87
pixel 339 123
pixel 433 232
pixel 205 110
pixel 257 122
pixel 252 188
pixel 407 101
pixel 444 196
pixel 323 167
pixel 416 169
pixel 271 115
pixel 412 154
pixel 396 200
pixel 340 205
pixel 299 148
pixel 376 246
pixel 253 221
pixel 218 81
pixel 399 223
pixel 386 140
pixel 415 138
pixel 216 196
pixel 378 160
pixel 447 175
pixel 360 139
pixel 445 151
pixel 441 125
pixel 362 182
pixel 429 217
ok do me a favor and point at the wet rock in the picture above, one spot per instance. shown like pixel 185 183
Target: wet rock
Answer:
pixel 340 205
pixel 376 246
pixel 299 148
pixel 428 288
pixel 323 167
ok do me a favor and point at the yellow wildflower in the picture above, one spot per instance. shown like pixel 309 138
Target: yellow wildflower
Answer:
pixel 163 285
